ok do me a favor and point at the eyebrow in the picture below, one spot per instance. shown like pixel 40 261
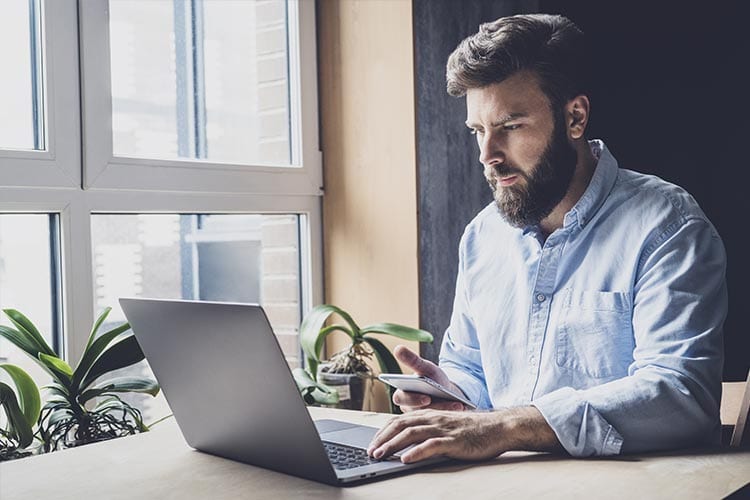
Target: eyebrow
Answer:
pixel 502 121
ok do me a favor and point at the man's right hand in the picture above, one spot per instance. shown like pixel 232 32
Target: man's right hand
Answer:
pixel 410 401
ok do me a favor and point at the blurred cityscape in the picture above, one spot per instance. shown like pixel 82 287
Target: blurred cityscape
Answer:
pixel 238 258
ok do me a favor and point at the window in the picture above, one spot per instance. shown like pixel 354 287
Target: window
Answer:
pixel 203 80
pixel 21 96
pixel 166 149
pixel 29 264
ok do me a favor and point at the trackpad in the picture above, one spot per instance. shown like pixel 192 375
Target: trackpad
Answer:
pixel 358 436
pixel 348 434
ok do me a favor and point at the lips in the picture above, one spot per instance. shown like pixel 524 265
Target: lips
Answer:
pixel 507 181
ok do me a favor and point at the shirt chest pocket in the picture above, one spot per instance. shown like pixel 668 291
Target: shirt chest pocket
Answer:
pixel 595 333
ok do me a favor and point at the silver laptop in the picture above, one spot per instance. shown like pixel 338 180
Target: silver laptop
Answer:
pixel 232 394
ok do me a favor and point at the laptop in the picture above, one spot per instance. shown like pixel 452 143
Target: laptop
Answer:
pixel 232 394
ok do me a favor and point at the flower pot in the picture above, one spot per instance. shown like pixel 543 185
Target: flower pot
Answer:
pixel 351 387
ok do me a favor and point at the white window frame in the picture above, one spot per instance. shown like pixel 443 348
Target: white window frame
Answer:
pixel 58 181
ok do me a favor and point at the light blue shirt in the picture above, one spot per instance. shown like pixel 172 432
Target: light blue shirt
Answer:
pixel 612 327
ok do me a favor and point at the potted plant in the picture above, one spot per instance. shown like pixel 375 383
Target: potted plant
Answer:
pixel 346 373
pixel 21 407
pixel 82 408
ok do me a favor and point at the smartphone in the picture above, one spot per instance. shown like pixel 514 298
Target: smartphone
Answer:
pixel 423 385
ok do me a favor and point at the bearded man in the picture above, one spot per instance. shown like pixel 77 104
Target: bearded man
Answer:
pixel 590 299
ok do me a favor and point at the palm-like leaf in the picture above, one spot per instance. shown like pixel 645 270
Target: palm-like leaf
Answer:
pixel 121 384
pixel 25 326
pixel 95 349
pixel 312 390
pixel 121 354
pixel 19 340
pixel 70 389
pixel 400 331
pixel 28 393
pixel 312 334
pixel 17 425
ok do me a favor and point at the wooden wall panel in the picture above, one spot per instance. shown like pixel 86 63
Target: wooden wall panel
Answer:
pixel 369 159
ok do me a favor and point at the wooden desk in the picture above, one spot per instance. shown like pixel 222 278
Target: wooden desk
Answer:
pixel 160 465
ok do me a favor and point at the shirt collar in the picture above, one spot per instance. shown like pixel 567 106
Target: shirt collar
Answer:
pixel 599 187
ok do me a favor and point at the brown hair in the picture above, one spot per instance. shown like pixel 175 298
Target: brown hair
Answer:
pixel 551 46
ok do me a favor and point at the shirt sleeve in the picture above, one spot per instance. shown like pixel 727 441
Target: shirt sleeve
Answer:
pixel 460 356
pixel 672 393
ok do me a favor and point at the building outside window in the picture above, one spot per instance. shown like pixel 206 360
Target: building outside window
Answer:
pixel 162 148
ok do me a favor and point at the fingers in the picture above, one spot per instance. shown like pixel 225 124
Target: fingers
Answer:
pixel 390 429
pixel 399 434
pixel 413 401
pixel 429 448
pixel 420 365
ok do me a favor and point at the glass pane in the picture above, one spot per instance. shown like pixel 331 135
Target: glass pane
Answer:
pixel 26 282
pixel 237 258
pixel 20 86
pixel 201 79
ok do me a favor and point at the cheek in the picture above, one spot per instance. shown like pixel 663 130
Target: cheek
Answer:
pixel 527 150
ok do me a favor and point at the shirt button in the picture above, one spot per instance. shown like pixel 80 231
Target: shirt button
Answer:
pixel 540 297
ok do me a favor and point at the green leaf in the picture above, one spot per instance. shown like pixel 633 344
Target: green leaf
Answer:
pixel 312 390
pixel 121 384
pixel 312 335
pixel 26 327
pixel 19 340
pixel 17 424
pixel 386 360
pixel 400 331
pixel 58 389
pixel 96 326
pixel 28 393
pixel 94 350
pixel 59 367
pixel 388 364
pixel 124 353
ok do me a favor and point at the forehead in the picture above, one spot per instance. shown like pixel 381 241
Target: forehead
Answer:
pixel 519 94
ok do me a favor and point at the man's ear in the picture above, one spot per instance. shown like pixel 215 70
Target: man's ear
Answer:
pixel 577 116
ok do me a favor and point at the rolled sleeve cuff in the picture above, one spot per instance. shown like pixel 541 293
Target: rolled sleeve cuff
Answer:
pixel 474 389
pixel 579 427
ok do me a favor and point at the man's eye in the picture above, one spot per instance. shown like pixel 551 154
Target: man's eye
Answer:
pixel 474 131
pixel 513 126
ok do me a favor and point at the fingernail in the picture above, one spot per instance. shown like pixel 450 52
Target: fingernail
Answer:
pixel 457 406
pixel 424 400
pixel 378 453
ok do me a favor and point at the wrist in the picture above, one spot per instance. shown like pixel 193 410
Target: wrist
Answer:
pixel 525 429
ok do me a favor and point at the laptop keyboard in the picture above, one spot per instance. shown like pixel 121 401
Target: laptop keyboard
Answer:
pixel 347 457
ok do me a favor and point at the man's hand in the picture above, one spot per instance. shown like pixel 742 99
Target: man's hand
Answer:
pixel 464 435
pixel 411 401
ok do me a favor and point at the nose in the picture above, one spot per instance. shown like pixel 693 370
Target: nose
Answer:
pixel 490 150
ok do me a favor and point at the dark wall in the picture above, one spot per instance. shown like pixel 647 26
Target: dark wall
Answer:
pixel 450 184
pixel 669 96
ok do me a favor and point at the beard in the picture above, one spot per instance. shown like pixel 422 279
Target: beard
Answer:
pixel 527 204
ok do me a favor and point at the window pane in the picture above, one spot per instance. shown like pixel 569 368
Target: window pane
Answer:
pixel 201 79
pixel 20 85
pixel 238 258
pixel 26 282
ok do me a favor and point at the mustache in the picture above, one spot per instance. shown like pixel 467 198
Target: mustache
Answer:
pixel 503 170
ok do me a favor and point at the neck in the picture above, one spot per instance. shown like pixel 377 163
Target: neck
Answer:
pixel 581 178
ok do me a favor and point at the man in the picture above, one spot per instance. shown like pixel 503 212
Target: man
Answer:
pixel 590 299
